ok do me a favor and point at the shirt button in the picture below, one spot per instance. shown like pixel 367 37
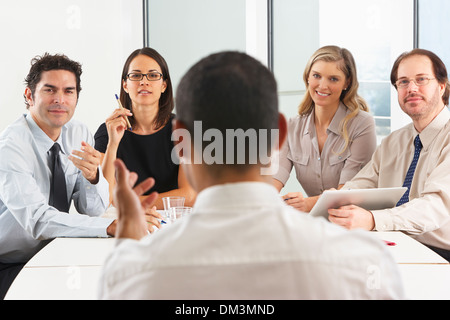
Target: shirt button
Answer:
pixel 318 158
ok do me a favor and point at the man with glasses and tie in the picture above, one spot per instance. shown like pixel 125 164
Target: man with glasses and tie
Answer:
pixel 416 156
pixel 46 162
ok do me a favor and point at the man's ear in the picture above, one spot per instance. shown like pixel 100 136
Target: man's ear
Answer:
pixel 442 87
pixel 28 96
pixel 282 130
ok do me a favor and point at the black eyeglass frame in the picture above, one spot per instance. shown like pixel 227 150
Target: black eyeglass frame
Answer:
pixel 147 75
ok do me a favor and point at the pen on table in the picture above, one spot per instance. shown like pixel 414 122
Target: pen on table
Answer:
pixel 389 243
pixel 126 118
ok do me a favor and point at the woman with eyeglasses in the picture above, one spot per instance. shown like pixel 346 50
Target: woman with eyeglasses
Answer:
pixel 333 136
pixel 145 147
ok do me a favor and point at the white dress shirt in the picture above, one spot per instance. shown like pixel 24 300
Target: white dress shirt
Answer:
pixel 426 217
pixel 243 242
pixel 26 218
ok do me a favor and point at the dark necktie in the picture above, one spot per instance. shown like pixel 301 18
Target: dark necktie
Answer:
pixel 58 189
pixel 412 168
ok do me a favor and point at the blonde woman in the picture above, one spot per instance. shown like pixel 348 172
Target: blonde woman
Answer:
pixel 333 136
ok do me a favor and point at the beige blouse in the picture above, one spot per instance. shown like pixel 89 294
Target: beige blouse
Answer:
pixel 316 171
pixel 426 217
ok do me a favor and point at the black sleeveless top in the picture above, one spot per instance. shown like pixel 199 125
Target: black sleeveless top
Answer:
pixel 147 155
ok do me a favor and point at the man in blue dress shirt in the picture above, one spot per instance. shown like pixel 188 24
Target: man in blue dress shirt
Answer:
pixel 27 220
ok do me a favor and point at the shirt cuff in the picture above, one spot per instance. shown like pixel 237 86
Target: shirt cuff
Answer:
pixel 99 227
pixel 383 220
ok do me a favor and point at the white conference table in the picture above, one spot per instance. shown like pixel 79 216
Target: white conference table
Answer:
pixel 425 274
pixel 69 268
pixel 65 269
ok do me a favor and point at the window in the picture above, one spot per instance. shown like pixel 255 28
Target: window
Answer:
pixel 433 26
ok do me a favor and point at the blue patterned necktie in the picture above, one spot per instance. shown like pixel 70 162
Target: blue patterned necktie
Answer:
pixel 412 168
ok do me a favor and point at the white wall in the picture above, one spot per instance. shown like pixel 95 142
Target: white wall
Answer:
pixel 100 34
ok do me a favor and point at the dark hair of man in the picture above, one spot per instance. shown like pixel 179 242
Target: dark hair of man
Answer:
pixel 166 102
pixel 439 69
pixel 48 62
pixel 228 90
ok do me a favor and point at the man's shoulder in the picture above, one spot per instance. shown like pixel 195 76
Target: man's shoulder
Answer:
pixel 78 125
pixel 76 131
pixel 397 135
pixel 18 131
pixel 16 145
pixel 15 126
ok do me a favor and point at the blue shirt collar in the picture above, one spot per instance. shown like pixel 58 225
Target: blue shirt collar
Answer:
pixel 44 142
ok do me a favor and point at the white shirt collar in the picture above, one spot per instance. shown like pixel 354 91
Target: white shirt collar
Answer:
pixel 237 195
pixel 44 142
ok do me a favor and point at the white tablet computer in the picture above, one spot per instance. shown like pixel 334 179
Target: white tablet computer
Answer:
pixel 369 199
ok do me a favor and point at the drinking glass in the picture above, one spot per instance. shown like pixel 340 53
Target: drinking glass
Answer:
pixel 177 213
pixel 170 202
